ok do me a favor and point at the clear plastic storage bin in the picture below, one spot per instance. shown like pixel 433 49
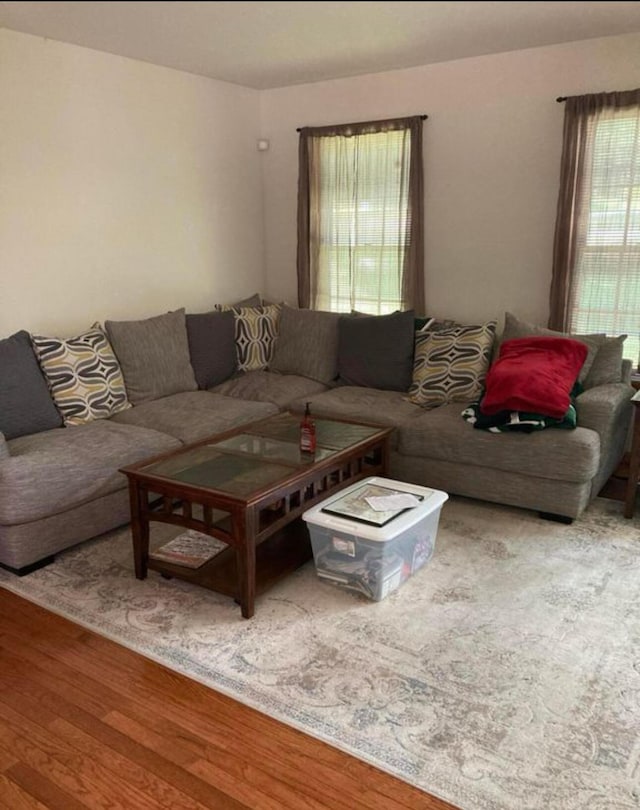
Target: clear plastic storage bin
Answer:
pixel 368 551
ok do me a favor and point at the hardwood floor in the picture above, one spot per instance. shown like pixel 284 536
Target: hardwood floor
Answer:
pixel 86 723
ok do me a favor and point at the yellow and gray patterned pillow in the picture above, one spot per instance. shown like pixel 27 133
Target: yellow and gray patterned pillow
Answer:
pixel 83 375
pixel 450 365
pixel 256 333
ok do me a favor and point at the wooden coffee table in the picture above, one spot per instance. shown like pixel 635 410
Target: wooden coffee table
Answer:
pixel 248 488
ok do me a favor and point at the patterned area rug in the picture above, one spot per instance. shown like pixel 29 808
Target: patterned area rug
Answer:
pixel 504 675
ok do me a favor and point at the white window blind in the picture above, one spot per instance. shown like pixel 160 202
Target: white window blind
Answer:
pixel 606 286
pixel 364 221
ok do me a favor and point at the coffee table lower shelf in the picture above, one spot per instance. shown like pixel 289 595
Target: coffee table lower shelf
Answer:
pixel 276 557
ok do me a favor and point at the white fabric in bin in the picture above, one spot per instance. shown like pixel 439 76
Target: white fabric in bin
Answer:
pixel 373 560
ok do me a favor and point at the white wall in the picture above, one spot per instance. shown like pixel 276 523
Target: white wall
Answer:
pixel 126 189
pixel 492 146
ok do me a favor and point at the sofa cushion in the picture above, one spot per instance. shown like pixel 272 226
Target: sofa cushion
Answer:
pixel 534 374
pixel 53 471
pixel 376 351
pixel 83 375
pixel 256 331
pixel 212 347
pixel 515 327
pixel 307 344
pixel 195 415
pixel 267 386
pixel 153 355
pixel 450 364
pixel 442 434
pixel 25 402
pixel 370 405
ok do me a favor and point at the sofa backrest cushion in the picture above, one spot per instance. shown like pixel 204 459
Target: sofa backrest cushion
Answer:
pixel 450 364
pixel 212 347
pixel 307 344
pixel 26 405
pixel 535 375
pixel 376 351
pixel 604 357
pixel 83 375
pixel 153 355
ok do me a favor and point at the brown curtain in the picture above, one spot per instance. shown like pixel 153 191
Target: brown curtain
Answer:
pixel 580 113
pixel 309 208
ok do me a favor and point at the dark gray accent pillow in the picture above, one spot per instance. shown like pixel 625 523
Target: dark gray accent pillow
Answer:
pixel 253 301
pixel 376 351
pixel 212 347
pixel 307 344
pixel 26 405
pixel 153 355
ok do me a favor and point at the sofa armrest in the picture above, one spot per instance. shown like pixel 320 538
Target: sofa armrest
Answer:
pixel 4 447
pixel 602 407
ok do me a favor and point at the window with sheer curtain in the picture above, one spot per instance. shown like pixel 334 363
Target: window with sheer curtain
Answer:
pixel 360 243
pixel 596 285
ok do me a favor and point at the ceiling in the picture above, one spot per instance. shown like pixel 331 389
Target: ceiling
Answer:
pixel 274 44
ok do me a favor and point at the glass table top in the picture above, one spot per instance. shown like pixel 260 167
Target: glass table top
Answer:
pixel 261 455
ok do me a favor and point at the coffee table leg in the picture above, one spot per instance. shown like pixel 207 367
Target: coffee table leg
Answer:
pixel 244 533
pixel 139 529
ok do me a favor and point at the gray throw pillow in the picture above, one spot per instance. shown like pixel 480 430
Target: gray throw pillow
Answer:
pixel 516 328
pixel 307 344
pixel 153 355
pixel 26 405
pixel 212 347
pixel 607 366
pixel 376 351
pixel 4 447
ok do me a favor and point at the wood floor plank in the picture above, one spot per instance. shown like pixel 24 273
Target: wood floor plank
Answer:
pixel 12 796
pixel 6 760
pixel 168 786
pixel 98 787
pixel 133 715
pixel 43 789
pixel 132 765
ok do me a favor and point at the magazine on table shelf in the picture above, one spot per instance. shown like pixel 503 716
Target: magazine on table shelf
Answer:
pixel 191 549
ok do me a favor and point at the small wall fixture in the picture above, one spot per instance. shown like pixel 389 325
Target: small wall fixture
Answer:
pixel 262 144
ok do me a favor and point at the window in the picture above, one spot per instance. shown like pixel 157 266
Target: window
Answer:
pixel 360 217
pixel 598 229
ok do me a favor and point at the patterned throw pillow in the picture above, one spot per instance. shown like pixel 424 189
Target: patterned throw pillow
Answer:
pixel 83 375
pixel 450 365
pixel 256 334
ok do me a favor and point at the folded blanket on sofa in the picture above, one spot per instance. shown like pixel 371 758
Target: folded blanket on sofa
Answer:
pixel 516 421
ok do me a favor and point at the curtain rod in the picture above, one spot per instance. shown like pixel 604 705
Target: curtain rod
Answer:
pixel 424 118
pixel 562 98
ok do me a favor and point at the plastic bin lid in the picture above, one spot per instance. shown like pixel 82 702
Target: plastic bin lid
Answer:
pixel 351 511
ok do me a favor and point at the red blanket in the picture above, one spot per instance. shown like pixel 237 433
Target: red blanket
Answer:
pixel 534 374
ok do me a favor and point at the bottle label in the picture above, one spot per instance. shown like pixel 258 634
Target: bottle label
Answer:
pixel 307 439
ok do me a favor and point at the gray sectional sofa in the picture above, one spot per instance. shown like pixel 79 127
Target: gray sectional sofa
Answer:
pixel 60 483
